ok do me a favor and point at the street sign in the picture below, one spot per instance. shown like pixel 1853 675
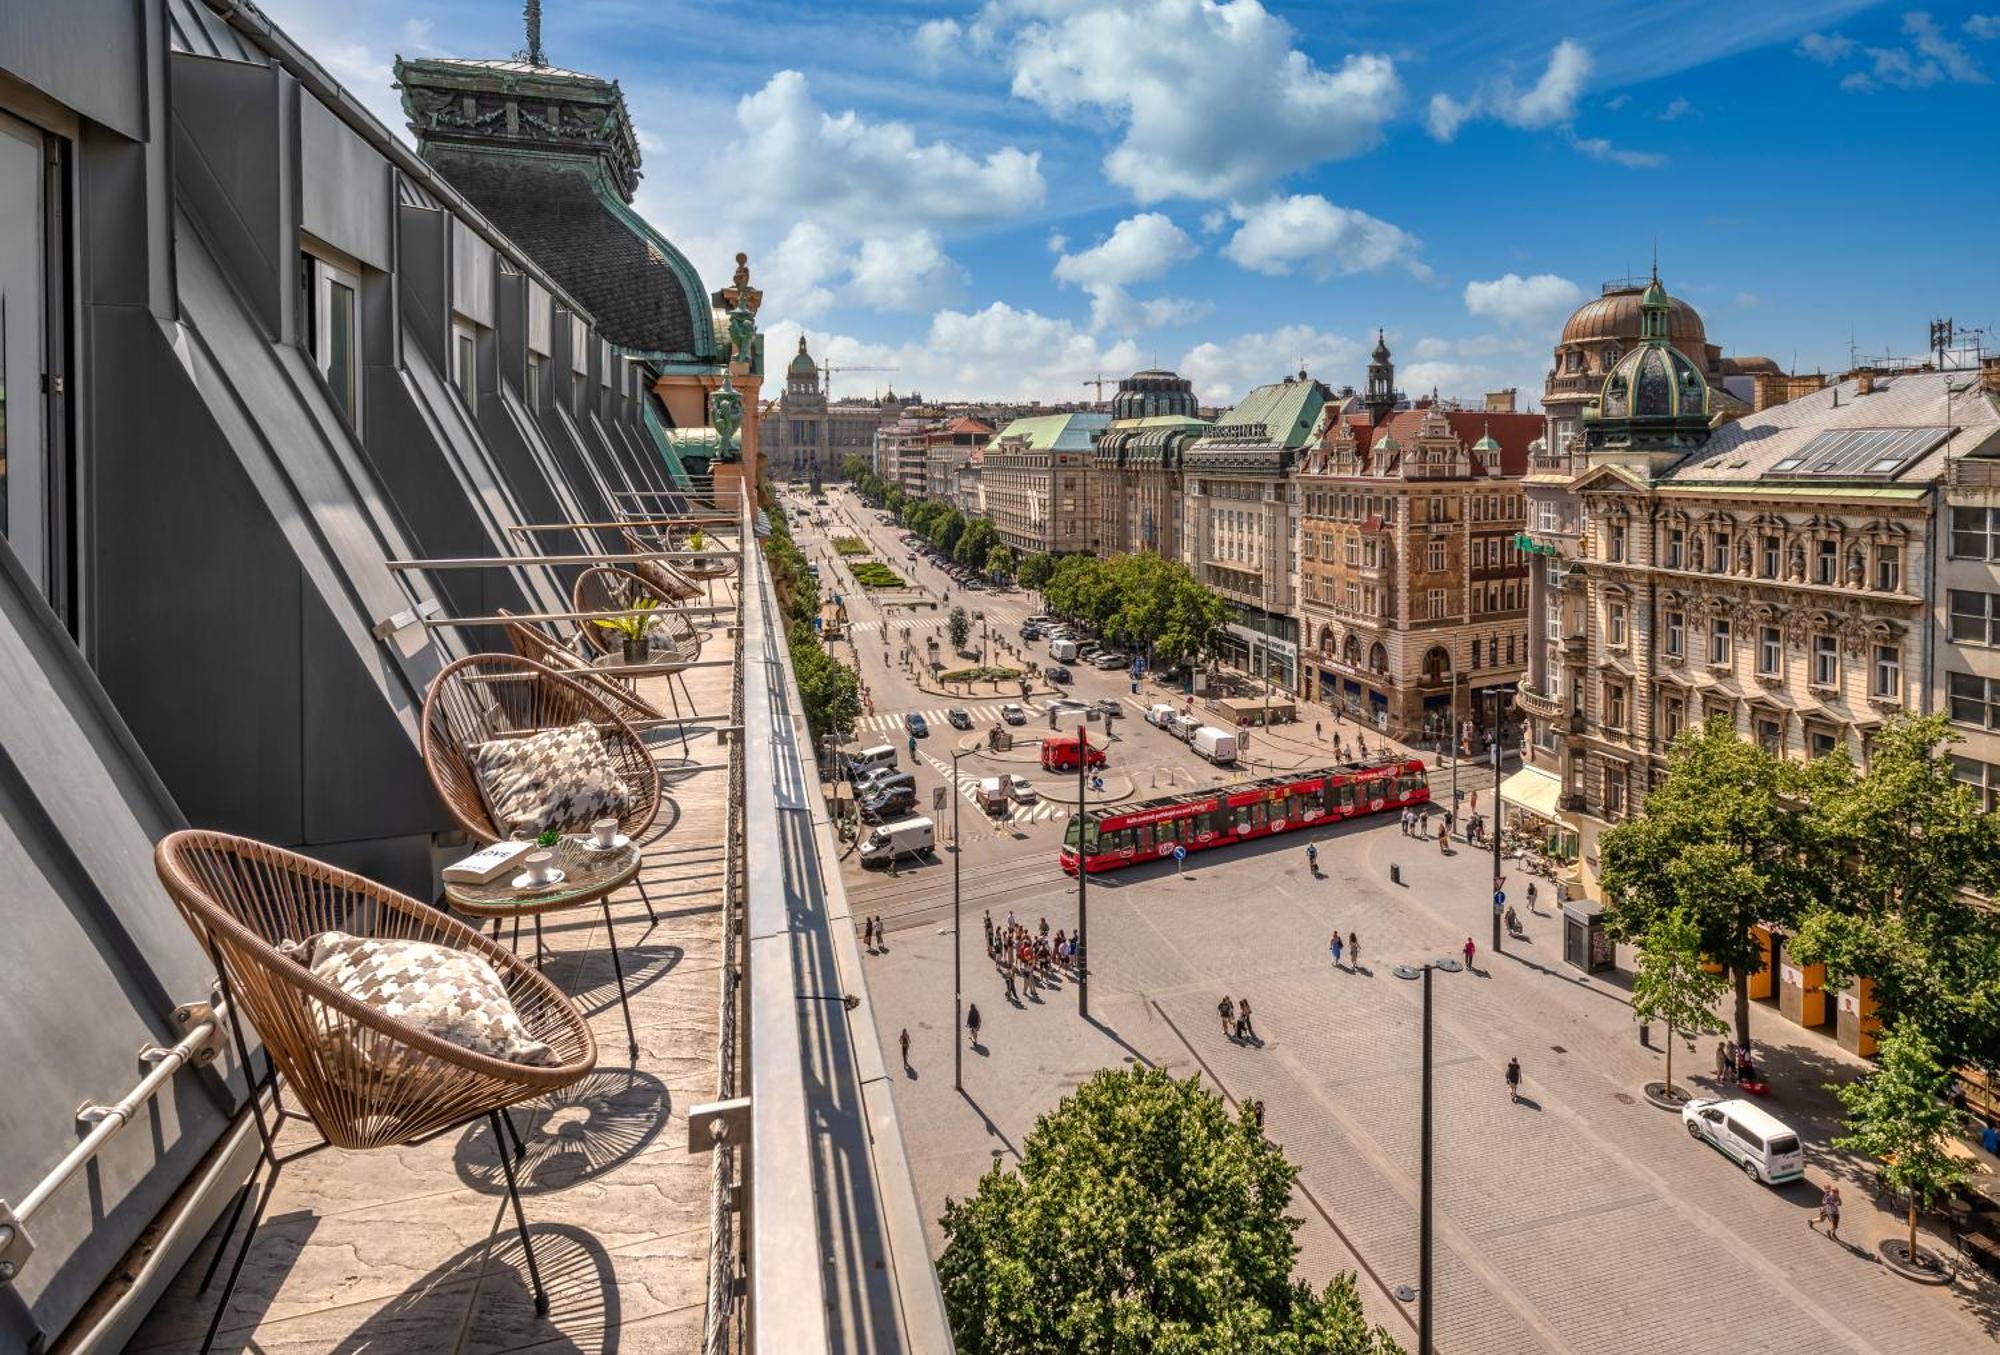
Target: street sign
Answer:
pixel 937 799
pixel 1138 665
pixel 1097 783
pixel 1180 852
pixel 1499 899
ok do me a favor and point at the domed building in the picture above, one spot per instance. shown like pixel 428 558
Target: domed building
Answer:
pixel 1603 330
pixel 1653 406
pixel 1137 463
pixel 812 438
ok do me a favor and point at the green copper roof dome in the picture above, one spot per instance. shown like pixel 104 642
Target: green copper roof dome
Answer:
pixel 802 365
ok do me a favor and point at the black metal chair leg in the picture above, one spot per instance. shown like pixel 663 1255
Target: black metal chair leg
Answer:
pixel 242 1255
pixel 520 1148
pixel 521 1224
pixel 229 1229
pixel 680 721
pixel 540 949
pixel 618 968
pixel 515 944
pixel 646 899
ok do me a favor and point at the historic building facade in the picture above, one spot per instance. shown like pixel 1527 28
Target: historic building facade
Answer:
pixel 1776 570
pixel 808 437
pixel 1154 416
pixel 1413 593
pixel 1240 517
pixel 1966 608
pixel 1036 482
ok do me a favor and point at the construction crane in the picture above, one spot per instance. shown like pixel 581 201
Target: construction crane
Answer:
pixel 1101 381
pixel 827 371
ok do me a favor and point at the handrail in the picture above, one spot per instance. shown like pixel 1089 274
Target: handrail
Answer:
pixel 704 518
pixel 200 1045
pixel 440 622
pixel 511 561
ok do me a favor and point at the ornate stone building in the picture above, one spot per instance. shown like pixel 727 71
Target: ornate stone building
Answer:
pixel 1036 483
pixel 1966 608
pixel 1776 570
pixel 811 439
pixel 1240 519
pixel 1154 417
pixel 1413 595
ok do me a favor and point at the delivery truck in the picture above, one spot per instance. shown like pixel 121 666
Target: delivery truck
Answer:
pixel 1217 745
pixel 905 837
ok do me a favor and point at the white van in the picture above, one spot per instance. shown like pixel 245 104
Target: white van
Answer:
pixel 993 795
pixel 905 837
pixel 1760 1143
pixel 1183 727
pixel 1160 716
pixel 1063 651
pixel 1217 745
pixel 868 759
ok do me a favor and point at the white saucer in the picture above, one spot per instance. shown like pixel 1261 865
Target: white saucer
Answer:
pixel 591 844
pixel 522 881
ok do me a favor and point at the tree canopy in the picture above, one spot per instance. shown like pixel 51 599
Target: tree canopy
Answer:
pixel 1140 601
pixel 1144 1218
pixel 1671 985
pixel 1036 570
pixel 1900 1116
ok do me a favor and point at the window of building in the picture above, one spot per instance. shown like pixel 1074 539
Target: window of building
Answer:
pixel 1436 509
pixel 333 297
pixel 1475 656
pixel 465 361
pixel 1614 706
pixel 1510 651
pixel 1975 700
pixel 1437 557
pixel 1769 550
pixel 538 368
pixel 1983 777
pixel 1673 717
pixel 1614 791
pixel 1718 640
pixel 1492 651
pixel 1826 562
pixel 1353 551
pixel 1434 602
pixel 1718 556
pixel 1614 616
pixel 1676 634
pixel 1888 671
pixel 1888 569
pixel 1826 661
pixel 1353 597
pixel 1973 618
pixel 1821 741
pixel 1676 545
pixel 1770 651
pixel 1615 547
pixel 1770 736
pixel 1975 532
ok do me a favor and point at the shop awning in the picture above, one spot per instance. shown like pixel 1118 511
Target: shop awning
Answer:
pixel 1532 789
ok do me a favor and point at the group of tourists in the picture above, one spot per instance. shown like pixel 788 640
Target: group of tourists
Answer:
pixel 1235 1014
pixel 1034 956
pixel 1350 947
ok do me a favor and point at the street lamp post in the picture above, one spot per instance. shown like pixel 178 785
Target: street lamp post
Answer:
pixel 1495 835
pixel 957 950
pixel 1082 873
pixel 1424 1304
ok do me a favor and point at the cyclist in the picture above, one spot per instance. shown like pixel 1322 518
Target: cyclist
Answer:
pixel 1312 857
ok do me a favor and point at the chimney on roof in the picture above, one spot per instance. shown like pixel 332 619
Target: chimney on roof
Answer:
pixel 1864 381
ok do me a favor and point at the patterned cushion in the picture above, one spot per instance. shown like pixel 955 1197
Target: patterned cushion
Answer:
pixel 667 581
pixel 560 779
pixel 452 994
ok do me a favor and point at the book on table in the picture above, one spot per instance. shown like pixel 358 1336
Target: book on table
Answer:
pixel 487 864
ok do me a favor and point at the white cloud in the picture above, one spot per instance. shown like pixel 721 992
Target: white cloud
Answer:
pixel 1825 48
pixel 800 273
pixel 1058 242
pixel 1222 372
pixel 1597 148
pixel 1214 221
pixel 1516 302
pixel 1139 249
pixel 1748 300
pixel 1432 349
pixel 1306 231
pixel 936 40
pixel 1617 101
pixel 1674 110
pixel 1211 99
pixel 811 270
pixel 1983 26
pixel 1547 102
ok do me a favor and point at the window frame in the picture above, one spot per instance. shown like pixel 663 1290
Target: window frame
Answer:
pixel 1888 660
pixel 326 277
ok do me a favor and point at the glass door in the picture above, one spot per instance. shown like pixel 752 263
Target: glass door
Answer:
pixel 33 295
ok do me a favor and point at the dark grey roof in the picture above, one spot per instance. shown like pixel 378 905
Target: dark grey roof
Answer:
pixel 638 288
pixel 194 28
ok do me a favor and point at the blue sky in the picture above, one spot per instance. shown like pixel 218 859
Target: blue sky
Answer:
pixel 1005 199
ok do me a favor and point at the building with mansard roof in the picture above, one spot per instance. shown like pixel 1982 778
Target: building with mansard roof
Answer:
pixel 1137 463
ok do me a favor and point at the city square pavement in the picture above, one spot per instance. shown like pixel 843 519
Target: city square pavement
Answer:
pixel 1581 1219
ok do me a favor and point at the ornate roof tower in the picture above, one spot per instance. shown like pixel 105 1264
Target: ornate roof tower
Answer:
pixel 1653 408
pixel 1381 400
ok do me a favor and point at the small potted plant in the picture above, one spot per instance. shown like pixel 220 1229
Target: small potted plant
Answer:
pixel 695 539
pixel 633 631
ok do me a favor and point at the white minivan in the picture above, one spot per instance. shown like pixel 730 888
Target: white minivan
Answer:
pixel 868 759
pixel 1160 715
pixel 1062 650
pixel 1757 1141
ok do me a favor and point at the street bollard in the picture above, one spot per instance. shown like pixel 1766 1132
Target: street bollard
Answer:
pixel 1395 874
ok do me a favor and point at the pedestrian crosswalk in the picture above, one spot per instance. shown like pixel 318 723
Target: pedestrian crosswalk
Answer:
pixel 983 713
pixel 1017 814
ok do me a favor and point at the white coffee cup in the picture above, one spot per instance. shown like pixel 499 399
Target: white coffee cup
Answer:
pixel 541 867
pixel 604 832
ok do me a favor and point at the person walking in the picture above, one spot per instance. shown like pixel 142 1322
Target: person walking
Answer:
pixel 1531 898
pixel 1829 1212
pixel 904 1041
pixel 1333 949
pixel 1227 1010
pixel 1244 1030
pixel 1723 1063
pixel 1470 951
pixel 1316 731
pixel 1312 857
pixel 1444 836
pixel 1513 1080
pixel 1353 952
pixel 972 1023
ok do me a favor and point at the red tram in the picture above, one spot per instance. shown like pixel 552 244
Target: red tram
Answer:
pixel 1152 829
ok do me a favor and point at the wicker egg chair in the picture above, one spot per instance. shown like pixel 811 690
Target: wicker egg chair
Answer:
pixel 607 588
pixel 530 641
pixel 365 1079
pixel 496 696
pixel 669 578
pixel 699 571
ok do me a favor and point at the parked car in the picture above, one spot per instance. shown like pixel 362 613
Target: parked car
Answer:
pixel 1111 658
pixel 1159 715
pixel 1055 672
pixel 890 804
pixel 1013 714
pixel 1022 790
pixel 1059 755
pixel 992 793
pixel 868 782
pixel 1761 1144
pixel 958 718
pixel 1030 632
pixel 915 724
pixel 1111 708
pixel 1089 653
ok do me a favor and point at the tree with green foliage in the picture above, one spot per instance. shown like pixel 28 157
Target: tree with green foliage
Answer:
pixel 1899 1115
pixel 958 627
pixel 999 562
pixel 1900 851
pixel 946 528
pixel 829 691
pixel 1144 1218
pixel 1672 986
pixel 1035 570
pixel 975 543
pixel 1717 839
pixel 895 501
pixel 857 470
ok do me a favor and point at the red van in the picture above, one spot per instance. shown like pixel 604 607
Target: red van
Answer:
pixel 1059 754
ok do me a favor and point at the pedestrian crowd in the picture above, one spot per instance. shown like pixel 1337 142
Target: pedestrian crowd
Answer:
pixel 872 935
pixel 1033 956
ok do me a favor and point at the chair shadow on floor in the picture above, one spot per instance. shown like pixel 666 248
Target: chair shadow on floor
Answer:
pixel 574 1135
pixel 491 1279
